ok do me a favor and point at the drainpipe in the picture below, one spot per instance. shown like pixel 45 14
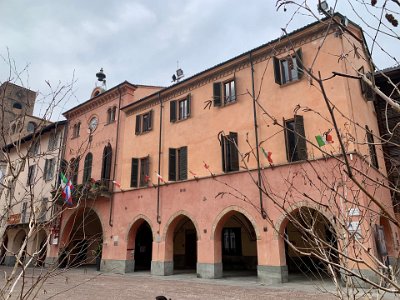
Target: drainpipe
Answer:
pixel 263 213
pixel 159 162
pixel 110 220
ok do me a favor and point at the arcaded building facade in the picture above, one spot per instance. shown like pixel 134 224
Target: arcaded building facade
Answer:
pixel 187 161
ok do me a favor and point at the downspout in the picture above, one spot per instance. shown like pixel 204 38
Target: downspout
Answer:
pixel 159 162
pixel 110 220
pixel 263 213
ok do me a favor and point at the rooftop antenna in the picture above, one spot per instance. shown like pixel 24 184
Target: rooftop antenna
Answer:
pixel 101 77
pixel 179 74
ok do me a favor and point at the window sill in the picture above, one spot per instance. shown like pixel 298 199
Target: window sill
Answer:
pixel 181 120
pixel 227 103
pixel 143 132
pixel 112 122
pixel 291 82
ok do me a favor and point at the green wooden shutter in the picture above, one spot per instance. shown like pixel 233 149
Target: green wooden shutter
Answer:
pixel 223 144
pixel 172 111
pixel 277 70
pixel 182 154
pixel 234 152
pixel 172 165
pixel 138 123
pixel 150 119
pixel 301 143
pixel 369 92
pixel 217 93
pixel 134 172
pixel 300 65
pixel 189 98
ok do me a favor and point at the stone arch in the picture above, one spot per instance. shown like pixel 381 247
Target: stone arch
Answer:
pixel 174 217
pixel 67 228
pixel 227 212
pixel 133 228
pixel 282 221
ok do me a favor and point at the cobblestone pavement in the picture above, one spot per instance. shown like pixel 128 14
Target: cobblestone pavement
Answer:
pixel 89 284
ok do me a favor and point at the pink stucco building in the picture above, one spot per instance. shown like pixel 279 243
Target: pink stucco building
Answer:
pixel 177 168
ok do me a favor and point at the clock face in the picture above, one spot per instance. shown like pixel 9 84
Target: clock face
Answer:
pixel 93 124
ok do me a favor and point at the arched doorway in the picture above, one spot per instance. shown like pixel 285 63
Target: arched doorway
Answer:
pixel 143 247
pixel 18 244
pixel 84 239
pixel 310 240
pixel 181 239
pixel 384 240
pixel 236 237
pixel 3 249
pixel 40 248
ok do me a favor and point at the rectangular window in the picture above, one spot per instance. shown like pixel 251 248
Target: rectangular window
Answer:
pixel 143 122
pixel 76 130
pixel 31 175
pixel 180 109
pixel 296 144
pixel 230 152
pixel 371 148
pixel 43 210
pixel 34 149
pixel 49 169
pixel 232 241
pixel 288 69
pixel 53 141
pixel 177 169
pixel 140 172
pixel 366 90
pixel 230 92
pixel 228 89
pixel 23 212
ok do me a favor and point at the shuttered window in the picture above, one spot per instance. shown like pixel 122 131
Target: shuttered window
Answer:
pixel 144 122
pixel 296 144
pixel 366 90
pixel 140 172
pixel 230 153
pixel 106 164
pixel 31 175
pixel 225 91
pixel 180 109
pixel 288 69
pixel 177 167
pixel 87 167
pixel 49 169
pixel 371 147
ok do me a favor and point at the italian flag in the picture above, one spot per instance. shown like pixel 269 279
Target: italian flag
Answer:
pixel 324 139
pixel 268 155
pixel 66 189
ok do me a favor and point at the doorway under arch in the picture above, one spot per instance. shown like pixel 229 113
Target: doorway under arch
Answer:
pixel 18 244
pixel 181 240
pixel 309 236
pixel 84 239
pixel 143 247
pixel 236 238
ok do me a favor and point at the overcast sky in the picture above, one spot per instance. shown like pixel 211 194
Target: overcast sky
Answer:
pixel 138 41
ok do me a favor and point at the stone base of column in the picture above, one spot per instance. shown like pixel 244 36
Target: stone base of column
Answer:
pixel 51 262
pixel 210 271
pixel 272 274
pixel 9 260
pixel 162 268
pixel 113 266
pixel 367 274
pixel 130 266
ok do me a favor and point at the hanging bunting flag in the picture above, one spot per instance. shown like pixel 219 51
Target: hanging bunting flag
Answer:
pixel 160 177
pixel 268 155
pixel 324 139
pixel 116 184
pixel 67 187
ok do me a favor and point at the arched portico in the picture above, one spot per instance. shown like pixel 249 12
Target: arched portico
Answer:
pixel 235 237
pixel 139 245
pixel 82 239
